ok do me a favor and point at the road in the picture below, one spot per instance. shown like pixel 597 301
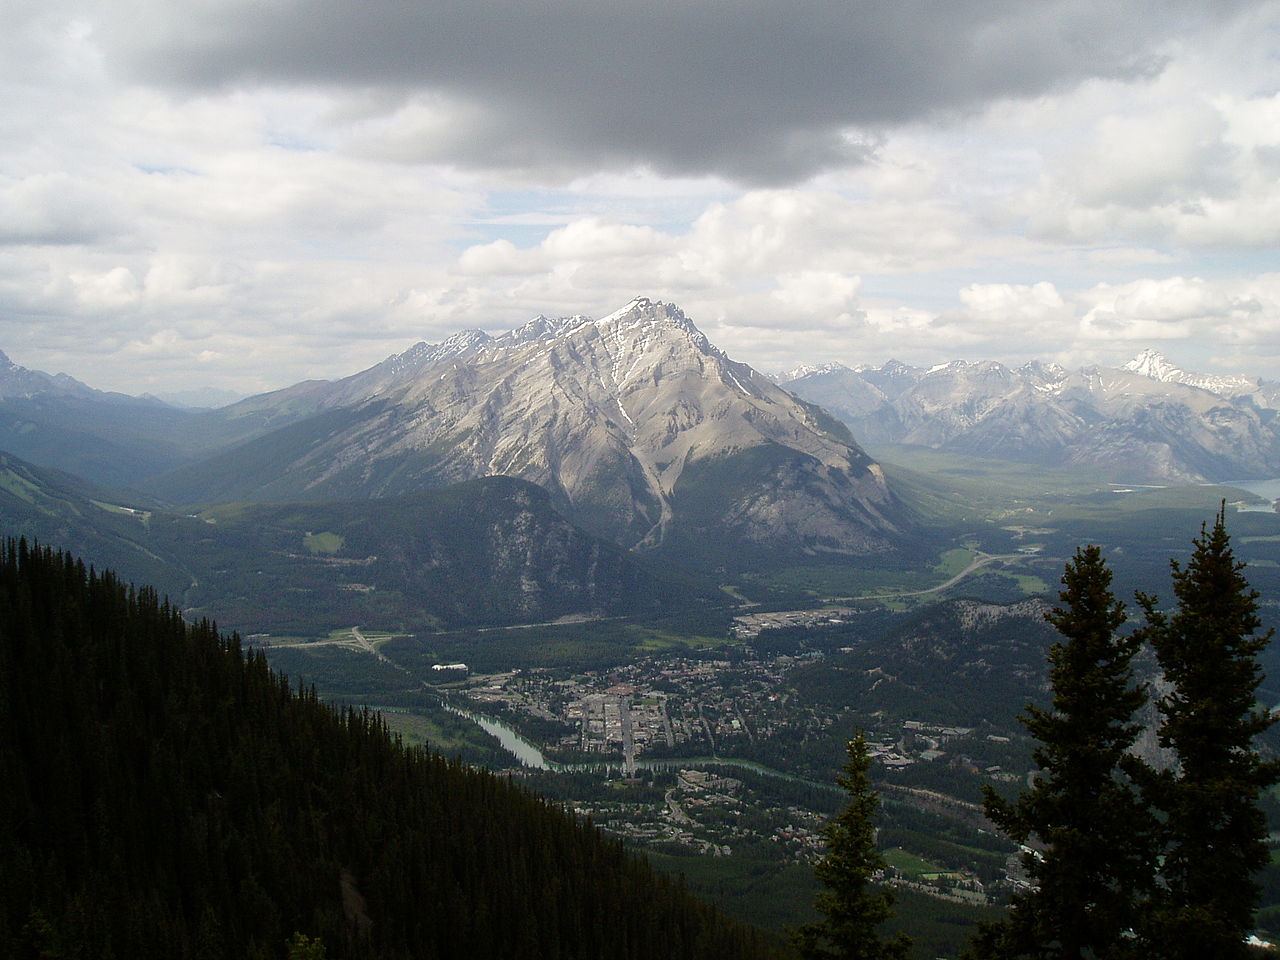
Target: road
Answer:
pixel 980 560
pixel 677 812
pixel 628 742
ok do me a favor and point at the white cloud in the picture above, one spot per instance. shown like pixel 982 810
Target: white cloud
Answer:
pixel 249 214
pixel 1178 308
pixel 1005 302
pixel 1190 160
pixel 56 208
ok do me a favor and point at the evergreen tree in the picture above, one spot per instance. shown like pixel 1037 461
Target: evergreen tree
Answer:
pixel 852 907
pixel 1214 831
pixel 164 794
pixel 302 947
pixel 1084 813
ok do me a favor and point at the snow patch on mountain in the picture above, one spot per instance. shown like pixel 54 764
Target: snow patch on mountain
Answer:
pixel 641 429
pixel 1151 364
pixel 1148 420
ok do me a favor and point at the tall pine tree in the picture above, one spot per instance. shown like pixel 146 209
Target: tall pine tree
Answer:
pixel 1214 832
pixel 1084 815
pixel 852 906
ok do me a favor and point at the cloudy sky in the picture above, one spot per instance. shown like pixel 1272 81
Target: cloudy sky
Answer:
pixel 243 194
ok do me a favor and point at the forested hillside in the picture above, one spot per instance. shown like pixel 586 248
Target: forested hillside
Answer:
pixel 488 551
pixel 164 794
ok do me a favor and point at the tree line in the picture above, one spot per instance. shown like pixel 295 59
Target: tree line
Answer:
pixel 1127 858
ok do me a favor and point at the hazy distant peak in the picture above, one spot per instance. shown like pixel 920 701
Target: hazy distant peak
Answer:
pixel 890 367
pixel 968 368
pixel 18 381
pixel 1152 364
pixel 811 370
pixel 1040 368
pixel 1043 376
pixel 1148 420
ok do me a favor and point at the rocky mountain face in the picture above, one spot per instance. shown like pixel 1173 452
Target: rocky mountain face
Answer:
pixel 1146 421
pixel 641 430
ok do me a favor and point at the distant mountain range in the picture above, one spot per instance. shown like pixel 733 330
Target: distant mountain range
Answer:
pixel 1145 421
pixel 642 433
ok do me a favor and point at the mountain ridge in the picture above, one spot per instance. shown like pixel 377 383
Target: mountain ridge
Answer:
pixel 491 551
pixel 1145 421
pixel 605 414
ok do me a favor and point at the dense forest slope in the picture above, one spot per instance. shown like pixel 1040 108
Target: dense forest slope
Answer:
pixel 489 551
pixel 163 794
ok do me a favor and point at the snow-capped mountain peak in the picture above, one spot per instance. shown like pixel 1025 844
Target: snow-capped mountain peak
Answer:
pixel 642 313
pixel 1151 364
pixel 1041 370
pixel 642 310
pixel 809 370
pixel 1147 420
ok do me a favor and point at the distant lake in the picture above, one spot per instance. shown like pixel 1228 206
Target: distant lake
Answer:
pixel 1267 489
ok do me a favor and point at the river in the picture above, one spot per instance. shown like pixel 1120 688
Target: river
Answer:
pixel 511 741
pixel 529 755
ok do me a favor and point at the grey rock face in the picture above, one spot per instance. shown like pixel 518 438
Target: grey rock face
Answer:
pixel 1148 421
pixel 625 420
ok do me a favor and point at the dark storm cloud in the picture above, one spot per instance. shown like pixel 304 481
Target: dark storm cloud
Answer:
pixel 757 90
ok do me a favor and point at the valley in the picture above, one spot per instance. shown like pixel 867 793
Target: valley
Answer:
pixel 713 754
pixel 765 686
pixel 639 481
pixel 678 588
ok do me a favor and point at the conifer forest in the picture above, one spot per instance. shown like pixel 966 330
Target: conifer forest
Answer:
pixel 164 794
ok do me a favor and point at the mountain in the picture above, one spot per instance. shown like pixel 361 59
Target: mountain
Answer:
pixel 57 508
pixel 488 551
pixel 1154 366
pixel 167 795
pixel 641 430
pixel 58 422
pixel 1147 421
pixel 21 383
